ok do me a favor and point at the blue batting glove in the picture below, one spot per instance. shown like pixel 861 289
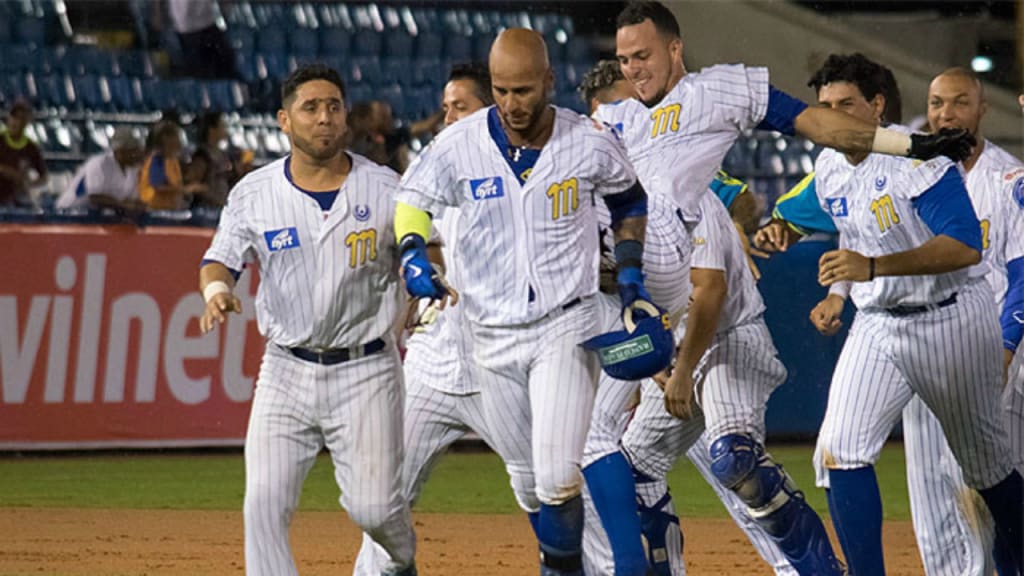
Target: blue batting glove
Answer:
pixel 631 288
pixel 421 280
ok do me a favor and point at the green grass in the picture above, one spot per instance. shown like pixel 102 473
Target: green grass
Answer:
pixel 463 482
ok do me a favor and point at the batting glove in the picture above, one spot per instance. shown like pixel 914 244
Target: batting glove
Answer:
pixel 954 143
pixel 422 280
pixel 631 290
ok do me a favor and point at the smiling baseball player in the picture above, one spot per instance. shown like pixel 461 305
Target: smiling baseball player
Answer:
pixel 319 223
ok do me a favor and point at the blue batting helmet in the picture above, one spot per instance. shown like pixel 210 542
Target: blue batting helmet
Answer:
pixel 640 351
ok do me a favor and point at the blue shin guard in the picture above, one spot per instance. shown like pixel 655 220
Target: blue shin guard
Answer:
pixel 1005 501
pixel 560 532
pixel 659 524
pixel 742 465
pixel 613 491
pixel 856 507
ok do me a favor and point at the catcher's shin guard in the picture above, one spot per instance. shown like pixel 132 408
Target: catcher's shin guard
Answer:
pixel 742 465
pixel 410 571
pixel 560 532
pixel 660 527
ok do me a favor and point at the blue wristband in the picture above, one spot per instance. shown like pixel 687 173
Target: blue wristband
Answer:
pixel 629 254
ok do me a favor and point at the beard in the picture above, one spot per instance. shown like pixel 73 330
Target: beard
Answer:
pixel 527 125
pixel 317 151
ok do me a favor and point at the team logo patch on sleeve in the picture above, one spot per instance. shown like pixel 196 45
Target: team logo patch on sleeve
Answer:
pixel 837 207
pixel 1018 192
pixel 282 239
pixel 487 188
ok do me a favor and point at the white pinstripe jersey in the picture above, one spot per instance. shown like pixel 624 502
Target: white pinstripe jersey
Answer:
pixel 871 205
pixel 716 246
pixel 444 345
pixel 667 252
pixel 537 236
pixel 993 183
pixel 679 144
pixel 326 280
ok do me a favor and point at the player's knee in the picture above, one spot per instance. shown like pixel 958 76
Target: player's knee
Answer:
pixel 264 501
pixel 373 516
pixel 525 492
pixel 557 486
pixel 740 464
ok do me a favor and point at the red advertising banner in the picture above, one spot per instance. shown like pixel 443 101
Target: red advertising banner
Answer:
pixel 100 343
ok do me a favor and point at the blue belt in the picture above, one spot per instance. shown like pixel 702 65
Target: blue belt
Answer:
pixel 901 311
pixel 329 356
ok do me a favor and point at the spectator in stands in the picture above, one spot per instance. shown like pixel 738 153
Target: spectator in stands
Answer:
pixel 110 179
pixel 374 134
pixel 161 186
pixel 213 164
pixel 205 48
pixel 19 157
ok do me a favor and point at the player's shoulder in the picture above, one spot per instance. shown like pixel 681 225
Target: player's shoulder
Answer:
pixel 1012 185
pixel 363 167
pixel 258 182
pixel 472 128
pixel 591 130
pixel 995 157
pixel 719 74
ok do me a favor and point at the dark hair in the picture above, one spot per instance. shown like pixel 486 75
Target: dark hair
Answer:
pixel 600 77
pixel 479 75
pixel 870 77
pixel 20 106
pixel 308 73
pixel 636 12
pixel 206 123
pixel 160 131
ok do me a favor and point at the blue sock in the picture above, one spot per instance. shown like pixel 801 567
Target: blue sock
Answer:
pixel 857 510
pixel 613 490
pixel 1006 503
pixel 560 532
pixel 1005 566
pixel 840 534
pixel 534 518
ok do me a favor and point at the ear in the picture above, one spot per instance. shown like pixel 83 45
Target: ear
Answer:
pixel 549 81
pixel 675 48
pixel 283 121
pixel 878 107
pixel 982 109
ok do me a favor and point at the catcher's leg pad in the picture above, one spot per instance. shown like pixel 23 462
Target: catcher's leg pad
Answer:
pixel 560 532
pixel 660 526
pixel 613 492
pixel 742 465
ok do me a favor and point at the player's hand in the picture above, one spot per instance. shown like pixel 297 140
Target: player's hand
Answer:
pixel 420 314
pixel 217 310
pixel 630 281
pixel 954 143
pixel 422 278
pixel 825 316
pixel 678 389
pixel 775 236
pixel 839 265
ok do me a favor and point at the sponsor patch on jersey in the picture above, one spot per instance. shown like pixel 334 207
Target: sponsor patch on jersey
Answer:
pixel 282 239
pixel 361 212
pixel 837 207
pixel 487 188
pixel 880 182
pixel 1018 192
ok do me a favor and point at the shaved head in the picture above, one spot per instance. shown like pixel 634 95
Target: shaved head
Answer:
pixel 964 75
pixel 521 80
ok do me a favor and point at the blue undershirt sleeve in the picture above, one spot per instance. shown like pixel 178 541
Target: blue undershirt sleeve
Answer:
pixel 946 209
pixel 629 203
pixel 782 112
pixel 1012 317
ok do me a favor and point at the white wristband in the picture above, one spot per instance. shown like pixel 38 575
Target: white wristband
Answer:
pixel 891 142
pixel 841 289
pixel 214 288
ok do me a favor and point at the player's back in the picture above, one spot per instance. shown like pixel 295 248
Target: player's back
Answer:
pixel 679 143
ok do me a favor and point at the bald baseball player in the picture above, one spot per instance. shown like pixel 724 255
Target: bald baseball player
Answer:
pixel 926 325
pixel 525 176
pixel 320 224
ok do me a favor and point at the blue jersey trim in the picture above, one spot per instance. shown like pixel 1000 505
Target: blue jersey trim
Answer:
pixel 782 112
pixel 520 160
pixel 80 189
pixel 1012 316
pixel 800 208
pixel 234 273
pixel 946 209
pixel 325 198
pixel 629 203
pixel 727 188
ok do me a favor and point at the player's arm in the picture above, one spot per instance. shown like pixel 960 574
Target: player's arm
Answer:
pixel 947 211
pixel 797 213
pixel 422 278
pixel 835 129
pixel 217 284
pixel 628 211
pixel 1012 316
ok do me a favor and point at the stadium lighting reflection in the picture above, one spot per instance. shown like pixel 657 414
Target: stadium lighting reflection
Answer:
pixel 981 64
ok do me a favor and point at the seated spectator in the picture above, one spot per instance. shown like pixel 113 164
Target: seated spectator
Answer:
pixel 19 157
pixel 110 179
pixel 213 164
pixel 205 48
pixel 374 134
pixel 160 182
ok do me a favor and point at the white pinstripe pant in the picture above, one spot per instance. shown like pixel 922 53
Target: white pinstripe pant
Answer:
pixel 538 390
pixel 950 357
pixel 354 408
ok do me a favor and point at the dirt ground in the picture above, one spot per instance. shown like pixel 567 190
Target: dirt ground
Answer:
pixel 194 543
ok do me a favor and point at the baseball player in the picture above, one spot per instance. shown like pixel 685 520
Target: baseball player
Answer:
pixel 666 262
pixel 320 224
pixel 925 324
pixel 525 175
pixel 443 402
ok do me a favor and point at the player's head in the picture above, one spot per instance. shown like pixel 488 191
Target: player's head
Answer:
pixel 604 83
pixel 853 84
pixel 211 128
pixel 650 49
pixel 18 117
pixel 468 89
pixel 312 111
pixel 521 78
pixel 956 99
pixel 166 139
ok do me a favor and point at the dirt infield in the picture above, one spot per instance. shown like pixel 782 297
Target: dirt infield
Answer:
pixel 160 542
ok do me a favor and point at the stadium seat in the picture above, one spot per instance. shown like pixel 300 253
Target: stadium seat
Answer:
pixel 6 38
pixel 30 31
pixel 458 48
pixel 305 44
pixel 158 94
pixel 52 90
pixel 335 42
pixel 188 95
pixel 367 43
pixel 272 41
pixel 392 94
pixel 578 50
pixel 18 59
pixel 397 71
pixel 134 63
pixel 367 70
pixel 89 94
pixel 125 94
pixel 429 72
pixel 398 44
pixel 277 65
pixel 224 95
pixel 242 39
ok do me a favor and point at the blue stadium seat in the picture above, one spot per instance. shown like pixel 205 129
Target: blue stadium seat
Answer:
pixel 392 94
pixel 458 48
pixel 769 158
pixel 738 161
pixel 272 40
pixel 99 62
pixel 125 94
pixel 277 65
pixel 397 71
pixel 367 70
pixel 247 67
pixel 188 95
pixel 6 37
pixel 398 44
pixel 242 39
pixel 18 59
pixel 359 92
pixel 578 50
pixel 158 94
pixel 52 90
pixel 428 45
pixel 335 42
pixel 89 94
pixel 367 43
pixel 429 73
pixel 224 95
pixel 482 46
pixel 134 63
pixel 30 31
pixel 305 44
